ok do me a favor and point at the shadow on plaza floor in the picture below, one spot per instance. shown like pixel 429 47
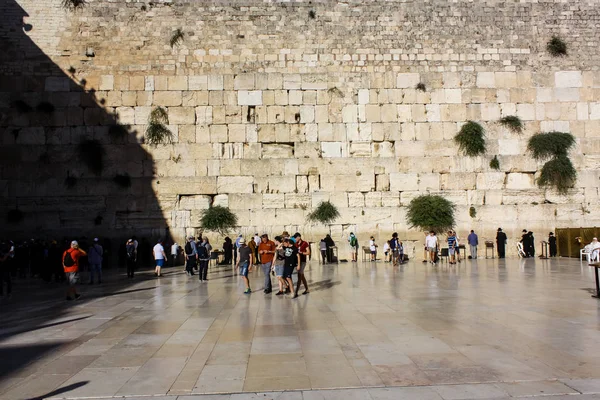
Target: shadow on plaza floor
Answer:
pixel 60 390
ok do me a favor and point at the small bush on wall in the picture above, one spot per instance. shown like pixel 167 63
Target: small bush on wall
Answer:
pixel 176 38
pixel 495 163
pixel 73 5
pixel 550 144
pixel 431 213
pixel 218 219
pixel 471 139
pixel 157 131
pixel 421 86
pixel 513 123
pixel 558 172
pixel 556 47
pixel 325 213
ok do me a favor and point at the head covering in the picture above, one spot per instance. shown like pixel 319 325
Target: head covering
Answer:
pixel 242 240
pixel 74 243
pixel 279 239
pixel 96 240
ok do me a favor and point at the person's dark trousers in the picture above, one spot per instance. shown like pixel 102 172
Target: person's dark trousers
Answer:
pixel 190 264
pixel 203 272
pixel 235 254
pixel 324 255
pixel 501 249
pixel 553 251
pixel 130 268
pixel 5 277
pixel 266 268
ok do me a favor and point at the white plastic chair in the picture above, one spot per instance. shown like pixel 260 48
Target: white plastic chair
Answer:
pixel 594 256
pixel 520 250
pixel 584 252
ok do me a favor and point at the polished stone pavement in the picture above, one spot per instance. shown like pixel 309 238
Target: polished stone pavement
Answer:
pixel 481 329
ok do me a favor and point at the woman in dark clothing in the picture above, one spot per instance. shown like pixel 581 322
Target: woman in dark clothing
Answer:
pixel 227 251
pixel 330 243
pixel 531 244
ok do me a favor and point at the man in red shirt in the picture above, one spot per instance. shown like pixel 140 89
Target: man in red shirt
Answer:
pixel 71 267
pixel 304 251
pixel 266 252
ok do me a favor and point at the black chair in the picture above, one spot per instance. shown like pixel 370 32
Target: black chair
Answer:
pixel 444 254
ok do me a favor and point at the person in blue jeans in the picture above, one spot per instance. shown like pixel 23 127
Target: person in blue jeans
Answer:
pixel 95 254
pixel 244 264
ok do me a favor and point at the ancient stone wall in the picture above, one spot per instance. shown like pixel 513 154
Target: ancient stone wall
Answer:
pixel 274 111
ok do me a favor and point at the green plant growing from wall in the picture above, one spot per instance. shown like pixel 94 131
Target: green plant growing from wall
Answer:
pixel 472 212
pixel 92 154
pixel 122 180
pixel 421 86
pixel 325 213
pixel 556 47
pixel 218 219
pixel 471 139
pixel 312 14
pixel 14 216
pixel 513 123
pixel 73 5
pixel 495 164
pixel 558 172
pixel 176 38
pixel 431 213
pixel 157 131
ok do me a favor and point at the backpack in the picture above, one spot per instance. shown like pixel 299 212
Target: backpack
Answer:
pixel 353 241
pixel 68 260
pixel 202 252
pixel 131 252
pixel 188 248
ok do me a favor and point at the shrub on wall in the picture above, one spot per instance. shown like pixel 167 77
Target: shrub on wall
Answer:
pixel 430 213
pixel 421 86
pixel 92 154
pixel 472 212
pixel 513 123
pixel 471 139
pixel 218 219
pixel 157 131
pixel 495 163
pixel 558 172
pixel 556 47
pixel 176 38
pixel 325 213
pixel 73 5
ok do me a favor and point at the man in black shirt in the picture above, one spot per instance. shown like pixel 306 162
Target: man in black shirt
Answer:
pixel 552 244
pixel 501 243
pixel 292 260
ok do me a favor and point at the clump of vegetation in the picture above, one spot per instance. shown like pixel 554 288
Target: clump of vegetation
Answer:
pixel 431 213
pixel 495 164
pixel 157 131
pixel 92 154
pixel 218 219
pixel 325 213
pixel 472 212
pixel 471 139
pixel 123 180
pixel 73 5
pixel 556 47
pixel 176 38
pixel 421 86
pixel 513 123
pixel 14 216
pixel 312 14
pixel 558 172
pixel 45 107
pixel 21 107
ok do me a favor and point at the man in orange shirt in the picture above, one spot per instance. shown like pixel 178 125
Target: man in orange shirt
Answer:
pixel 266 252
pixel 71 267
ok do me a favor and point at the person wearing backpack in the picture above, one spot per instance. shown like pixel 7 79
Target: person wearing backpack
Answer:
pixel 203 250
pixel 71 267
pixel 131 257
pixel 353 246
pixel 191 256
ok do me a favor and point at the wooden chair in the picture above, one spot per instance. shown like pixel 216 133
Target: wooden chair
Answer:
pixel 366 255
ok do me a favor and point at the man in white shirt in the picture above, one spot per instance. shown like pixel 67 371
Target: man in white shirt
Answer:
pixel 431 244
pixel 174 253
pixel 159 257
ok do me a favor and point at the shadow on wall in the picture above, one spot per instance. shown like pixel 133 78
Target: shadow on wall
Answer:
pixel 68 168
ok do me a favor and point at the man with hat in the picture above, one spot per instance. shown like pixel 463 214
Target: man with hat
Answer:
pixel 95 254
pixel 191 256
pixel 501 243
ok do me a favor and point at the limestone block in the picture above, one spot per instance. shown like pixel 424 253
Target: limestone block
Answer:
pixel 568 79
pixel 307 150
pixel 331 149
pixel 407 80
pixel 594 111
pixel 390 199
pixel 177 83
pixel 383 149
pixel 526 112
pixel 181 219
pixel 215 82
pixel 197 185
pixel 125 115
pixel 373 199
pixel 252 150
pixel 235 184
pixel 350 113
pixel 313 183
pixel 302 183
pixel 493 197
pixel 275 114
pixel 218 133
pixel 490 180
pixel 407 196
pixel 566 94
pixel 363 96
pixel 230 167
pixel 534 196
pixel 359 132
pixel 277 150
pixel 107 82
pixel 182 115
pixel 356 199
pixel 506 79
pixel 360 149
pixel 314 82
pixel 273 200
pixel 297 200
pixel 410 148
pixel 292 81
pixel 372 113
pixel 418 113
pixel 389 113
pixel 509 147
pixel 347 183
pixel 429 182
pixel 250 98
pixel 520 181
pixel 276 184
pixel 433 112
pixel 161 82
pixel 244 82
pixel 281 97
pixel 307 114
pixel 486 80
pixel 204 115
pixel 167 98
pixel 194 202
pixel 149 83
pixel 490 112
pixel 400 182
pixel 236 133
pixel 458 181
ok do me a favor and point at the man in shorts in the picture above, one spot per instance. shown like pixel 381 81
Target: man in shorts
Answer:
pixel 244 263
pixel 159 257
pixel 266 252
pixel 304 251
pixel 431 243
pixel 353 241
pixel 292 260
pixel 70 261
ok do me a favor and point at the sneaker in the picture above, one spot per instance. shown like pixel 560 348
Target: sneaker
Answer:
pixel 247 291
pixel 295 296
pixel 279 293
pixel 200 280
pixel 205 280
pixel 77 296
pixel 267 291
pixel 287 290
pixel 306 292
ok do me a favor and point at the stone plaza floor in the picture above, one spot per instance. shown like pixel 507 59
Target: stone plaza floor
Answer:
pixel 481 329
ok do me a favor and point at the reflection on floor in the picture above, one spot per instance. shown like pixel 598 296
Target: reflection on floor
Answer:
pixel 481 329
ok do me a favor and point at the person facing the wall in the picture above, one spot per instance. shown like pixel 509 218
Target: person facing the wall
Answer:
pixel 473 241
pixel 552 244
pixel 95 254
pixel 501 243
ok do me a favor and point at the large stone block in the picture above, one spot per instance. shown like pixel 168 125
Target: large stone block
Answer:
pixel 458 181
pixel 250 98
pixel 568 79
pixel 407 80
pixel 235 184
pixel 400 182
pixel 520 181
